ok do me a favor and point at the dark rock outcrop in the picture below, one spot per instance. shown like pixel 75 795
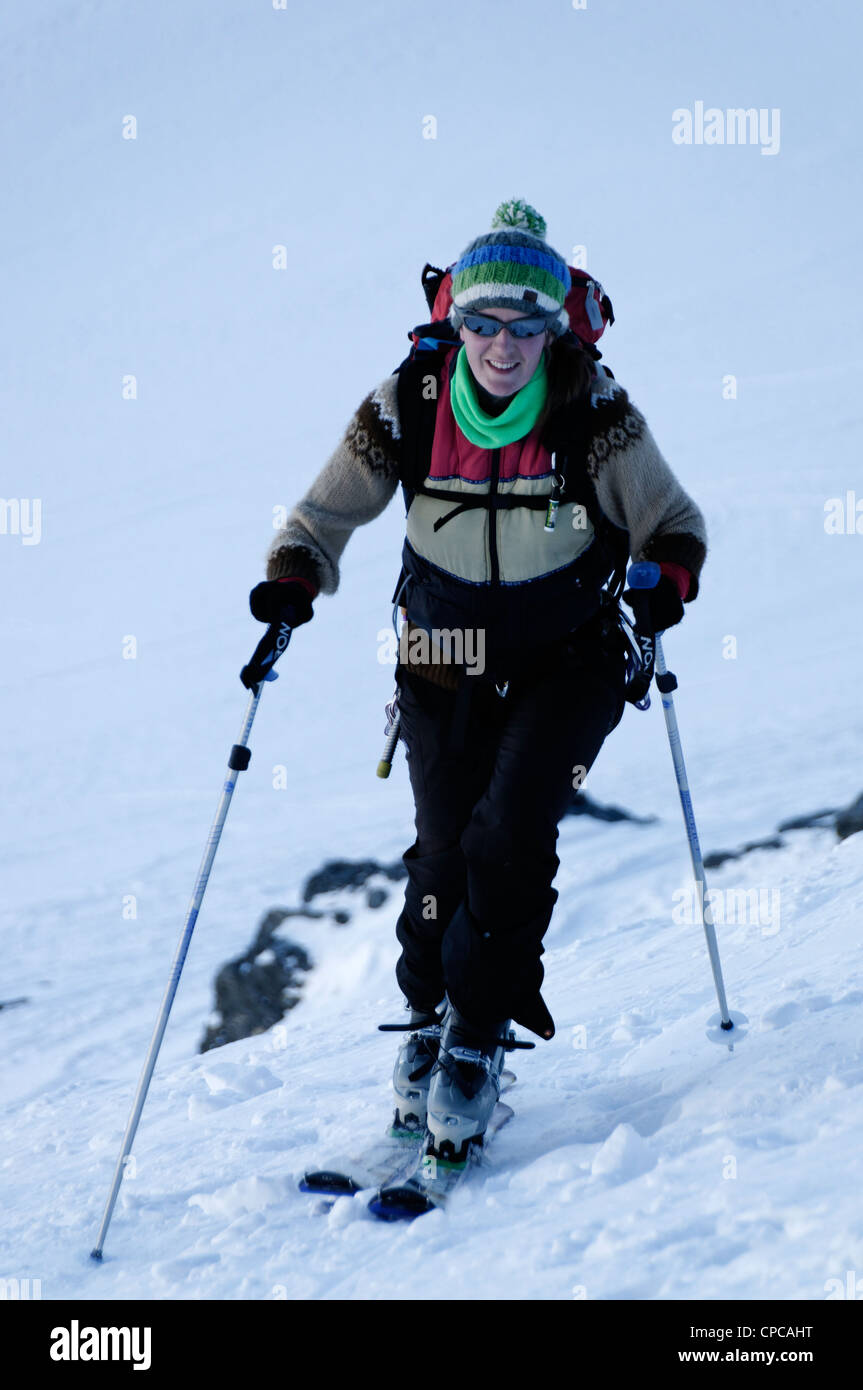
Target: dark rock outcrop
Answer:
pixel 845 820
pixel 584 805
pixel 352 874
pixel 849 821
pixel 721 856
pixel 257 989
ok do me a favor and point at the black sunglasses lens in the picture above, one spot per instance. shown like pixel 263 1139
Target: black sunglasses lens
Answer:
pixel 526 328
pixel 485 327
pixel 519 328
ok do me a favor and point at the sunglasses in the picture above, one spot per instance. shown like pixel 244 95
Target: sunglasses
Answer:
pixel 519 328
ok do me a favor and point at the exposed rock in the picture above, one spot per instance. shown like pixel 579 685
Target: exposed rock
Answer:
pixel 583 805
pixel 350 873
pixel 845 820
pixel 849 821
pixel 720 856
pixel 817 820
pixel 257 989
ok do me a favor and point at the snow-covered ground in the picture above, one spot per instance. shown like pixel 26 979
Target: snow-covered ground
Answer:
pixel 644 1161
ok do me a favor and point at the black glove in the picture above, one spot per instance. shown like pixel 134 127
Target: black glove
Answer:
pixel 286 599
pixel 283 604
pixel 664 604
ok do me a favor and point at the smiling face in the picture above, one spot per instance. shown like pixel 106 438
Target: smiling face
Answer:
pixel 503 364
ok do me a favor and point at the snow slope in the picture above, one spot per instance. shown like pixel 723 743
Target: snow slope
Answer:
pixel 152 257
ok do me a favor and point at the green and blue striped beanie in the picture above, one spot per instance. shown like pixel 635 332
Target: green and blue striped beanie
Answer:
pixel 512 267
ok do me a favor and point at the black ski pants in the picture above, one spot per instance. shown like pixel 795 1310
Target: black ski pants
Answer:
pixel 479 898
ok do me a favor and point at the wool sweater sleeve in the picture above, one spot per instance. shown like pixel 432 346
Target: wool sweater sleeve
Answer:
pixel 638 491
pixel 353 487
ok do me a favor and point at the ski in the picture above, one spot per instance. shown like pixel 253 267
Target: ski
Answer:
pixel 386 1161
pixel 380 1163
pixel 431 1181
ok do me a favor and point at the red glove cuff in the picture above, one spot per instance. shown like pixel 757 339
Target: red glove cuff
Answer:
pixel 307 584
pixel 678 575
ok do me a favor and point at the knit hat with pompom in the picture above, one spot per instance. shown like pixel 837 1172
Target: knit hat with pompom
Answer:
pixel 512 267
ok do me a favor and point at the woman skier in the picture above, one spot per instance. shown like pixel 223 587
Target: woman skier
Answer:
pixel 528 476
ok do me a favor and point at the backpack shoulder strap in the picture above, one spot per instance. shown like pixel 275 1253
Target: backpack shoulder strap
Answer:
pixel 417 391
pixel 568 435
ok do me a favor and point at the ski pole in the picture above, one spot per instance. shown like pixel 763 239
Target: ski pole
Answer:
pixel 642 577
pixel 238 761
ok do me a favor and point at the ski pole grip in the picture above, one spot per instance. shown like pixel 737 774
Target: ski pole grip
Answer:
pixel 644 574
pixel 642 577
pixel 266 654
pixel 276 641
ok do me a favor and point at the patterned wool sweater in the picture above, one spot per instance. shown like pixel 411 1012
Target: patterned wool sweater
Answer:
pixel 634 486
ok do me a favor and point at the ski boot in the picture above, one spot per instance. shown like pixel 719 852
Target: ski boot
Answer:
pixel 465 1085
pixel 412 1071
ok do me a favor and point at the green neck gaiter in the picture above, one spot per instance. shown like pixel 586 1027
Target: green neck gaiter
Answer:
pixel 493 431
